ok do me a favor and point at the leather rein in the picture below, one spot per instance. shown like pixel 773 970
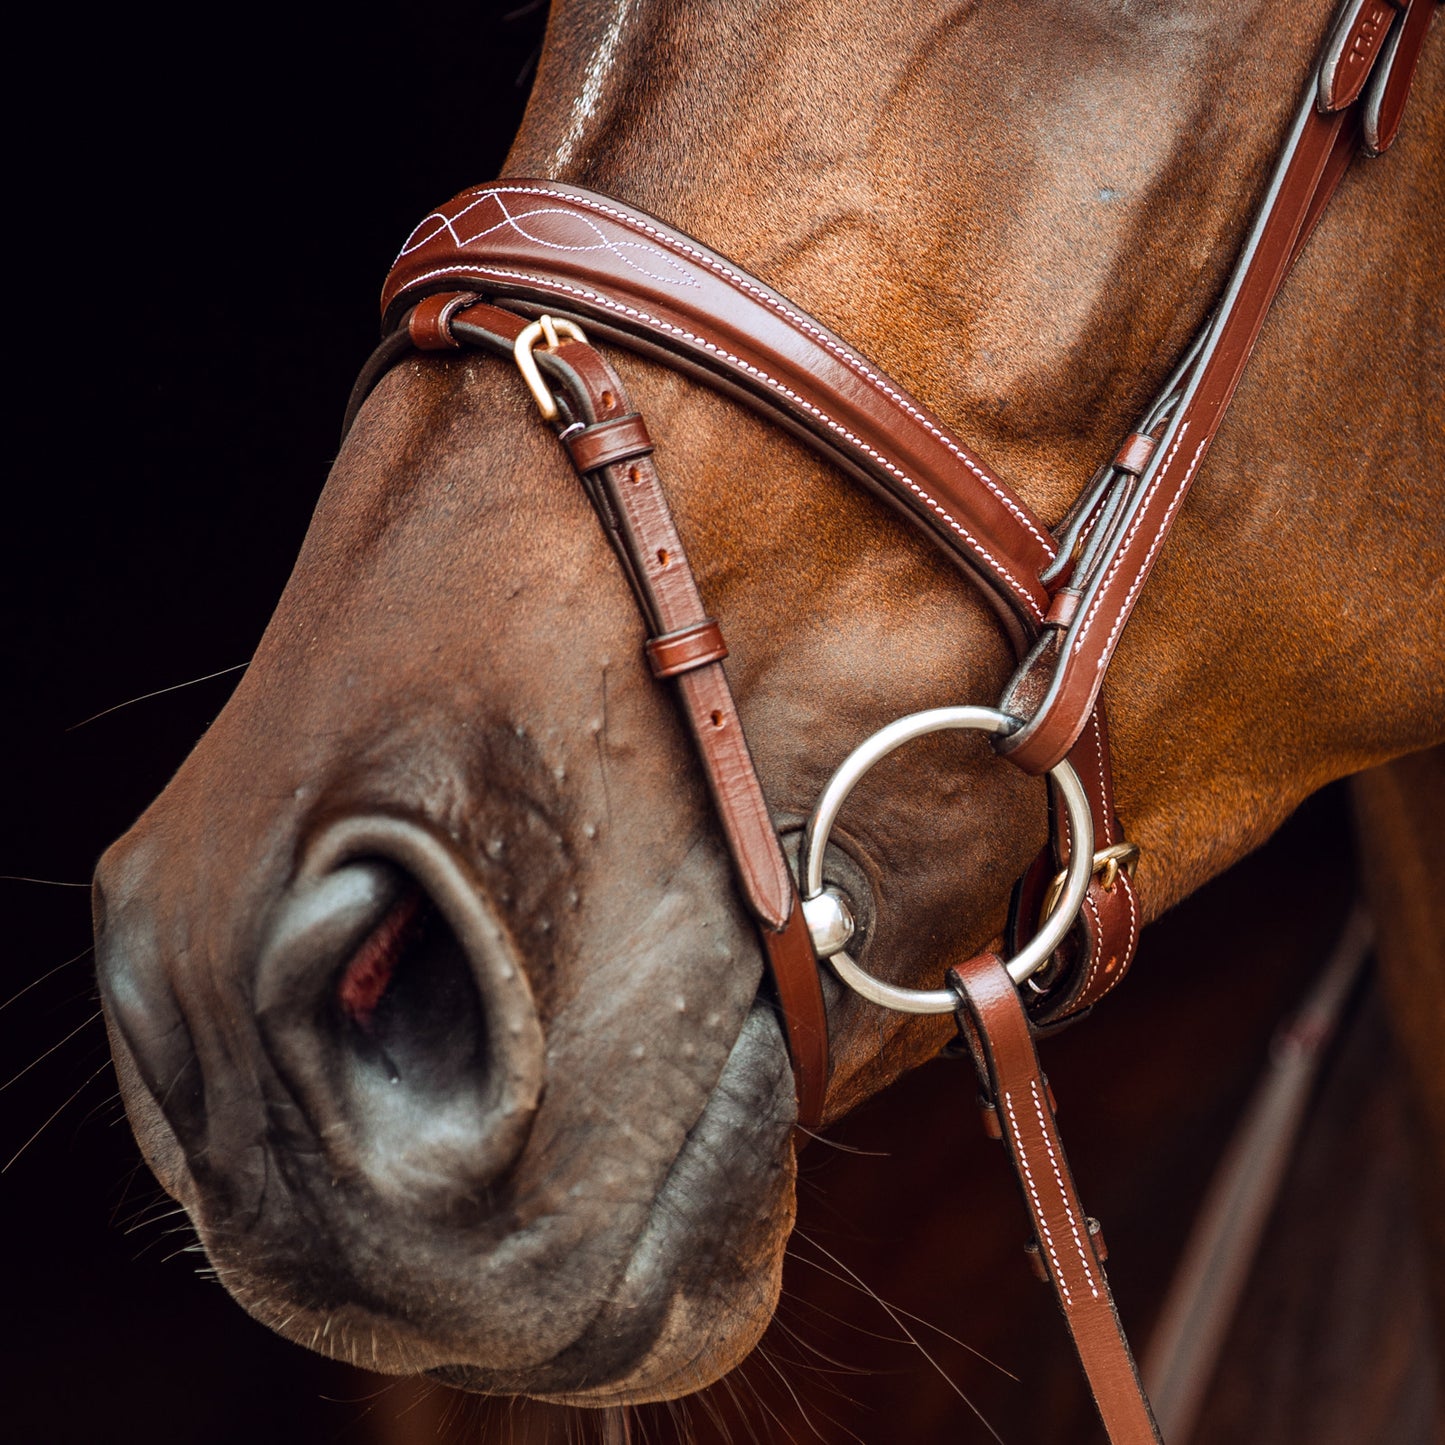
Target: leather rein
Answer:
pixel 535 271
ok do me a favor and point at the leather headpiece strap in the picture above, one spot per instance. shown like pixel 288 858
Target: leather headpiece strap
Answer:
pixel 537 248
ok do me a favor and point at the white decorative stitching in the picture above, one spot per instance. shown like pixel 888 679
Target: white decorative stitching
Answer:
pixel 849 358
pixel 603 242
pixel 1063 1191
pixel 1104 807
pixel 1095 951
pixel 1128 887
pixel 1127 884
pixel 1159 535
pixel 1122 881
pixel 1038 1203
pixel 596 298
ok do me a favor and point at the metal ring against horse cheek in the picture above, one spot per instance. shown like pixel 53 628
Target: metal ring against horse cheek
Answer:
pixel 1054 927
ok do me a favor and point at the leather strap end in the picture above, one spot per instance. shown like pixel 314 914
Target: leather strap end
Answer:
pixel 988 1112
pixel 1351 53
pixel 687 648
pixel 1384 106
pixel 606 443
pixel 1067 1243
pixel 430 322
pixel 794 968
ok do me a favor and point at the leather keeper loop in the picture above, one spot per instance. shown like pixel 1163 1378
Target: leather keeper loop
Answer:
pixel 1063 608
pixel 1134 455
pixel 609 442
pixel 430 323
pixel 687 648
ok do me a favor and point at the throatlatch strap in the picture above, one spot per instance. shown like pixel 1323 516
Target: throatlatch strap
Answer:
pixel 1067 1240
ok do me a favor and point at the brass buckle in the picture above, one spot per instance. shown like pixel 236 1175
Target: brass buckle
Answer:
pixel 1108 862
pixel 548 329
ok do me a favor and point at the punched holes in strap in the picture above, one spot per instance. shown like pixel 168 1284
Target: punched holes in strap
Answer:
pixel 606 443
pixel 687 648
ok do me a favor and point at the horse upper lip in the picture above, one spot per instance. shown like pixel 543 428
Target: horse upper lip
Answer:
pixel 629 1351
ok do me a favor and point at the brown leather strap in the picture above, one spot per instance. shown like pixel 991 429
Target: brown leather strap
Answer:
pixel 608 442
pixel 601 426
pixel 550 246
pixel 664 582
pixel 1058 684
pixel 1351 50
pixel 993 1022
pixel 1389 85
pixel 652 288
pixel 1094 959
pixel 633 279
pixel 430 322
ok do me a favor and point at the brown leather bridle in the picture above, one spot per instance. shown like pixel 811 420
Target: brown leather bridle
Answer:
pixel 573 259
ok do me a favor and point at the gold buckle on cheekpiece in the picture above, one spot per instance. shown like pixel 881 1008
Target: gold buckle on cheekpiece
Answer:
pixel 550 330
pixel 1108 862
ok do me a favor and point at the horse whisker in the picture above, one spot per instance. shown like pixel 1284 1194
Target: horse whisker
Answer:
pixel 144 1223
pixel 845 1148
pixel 897 1319
pixel 772 1413
pixel 85 1024
pixel 787 1384
pixel 927 1324
pixel 836 1367
pixel 49 973
pixel 93 1077
pixel 727 1382
pixel 174 687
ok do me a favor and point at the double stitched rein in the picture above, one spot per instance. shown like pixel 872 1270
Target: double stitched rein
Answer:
pixel 547 249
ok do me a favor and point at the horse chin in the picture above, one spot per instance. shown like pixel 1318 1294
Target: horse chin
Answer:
pixel 689 1303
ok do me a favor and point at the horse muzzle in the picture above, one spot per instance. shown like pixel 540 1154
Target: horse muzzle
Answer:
pixel 393 1031
pixel 344 1085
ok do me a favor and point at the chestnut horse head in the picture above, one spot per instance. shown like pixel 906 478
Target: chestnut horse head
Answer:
pixel 429 987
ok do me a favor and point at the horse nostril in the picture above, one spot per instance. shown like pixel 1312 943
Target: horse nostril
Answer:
pixel 391 1003
pixel 366 978
pixel 408 1006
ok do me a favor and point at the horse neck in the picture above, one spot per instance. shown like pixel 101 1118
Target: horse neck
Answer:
pixel 1023 212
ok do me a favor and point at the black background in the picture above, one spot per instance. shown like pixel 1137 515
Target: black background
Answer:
pixel 206 204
